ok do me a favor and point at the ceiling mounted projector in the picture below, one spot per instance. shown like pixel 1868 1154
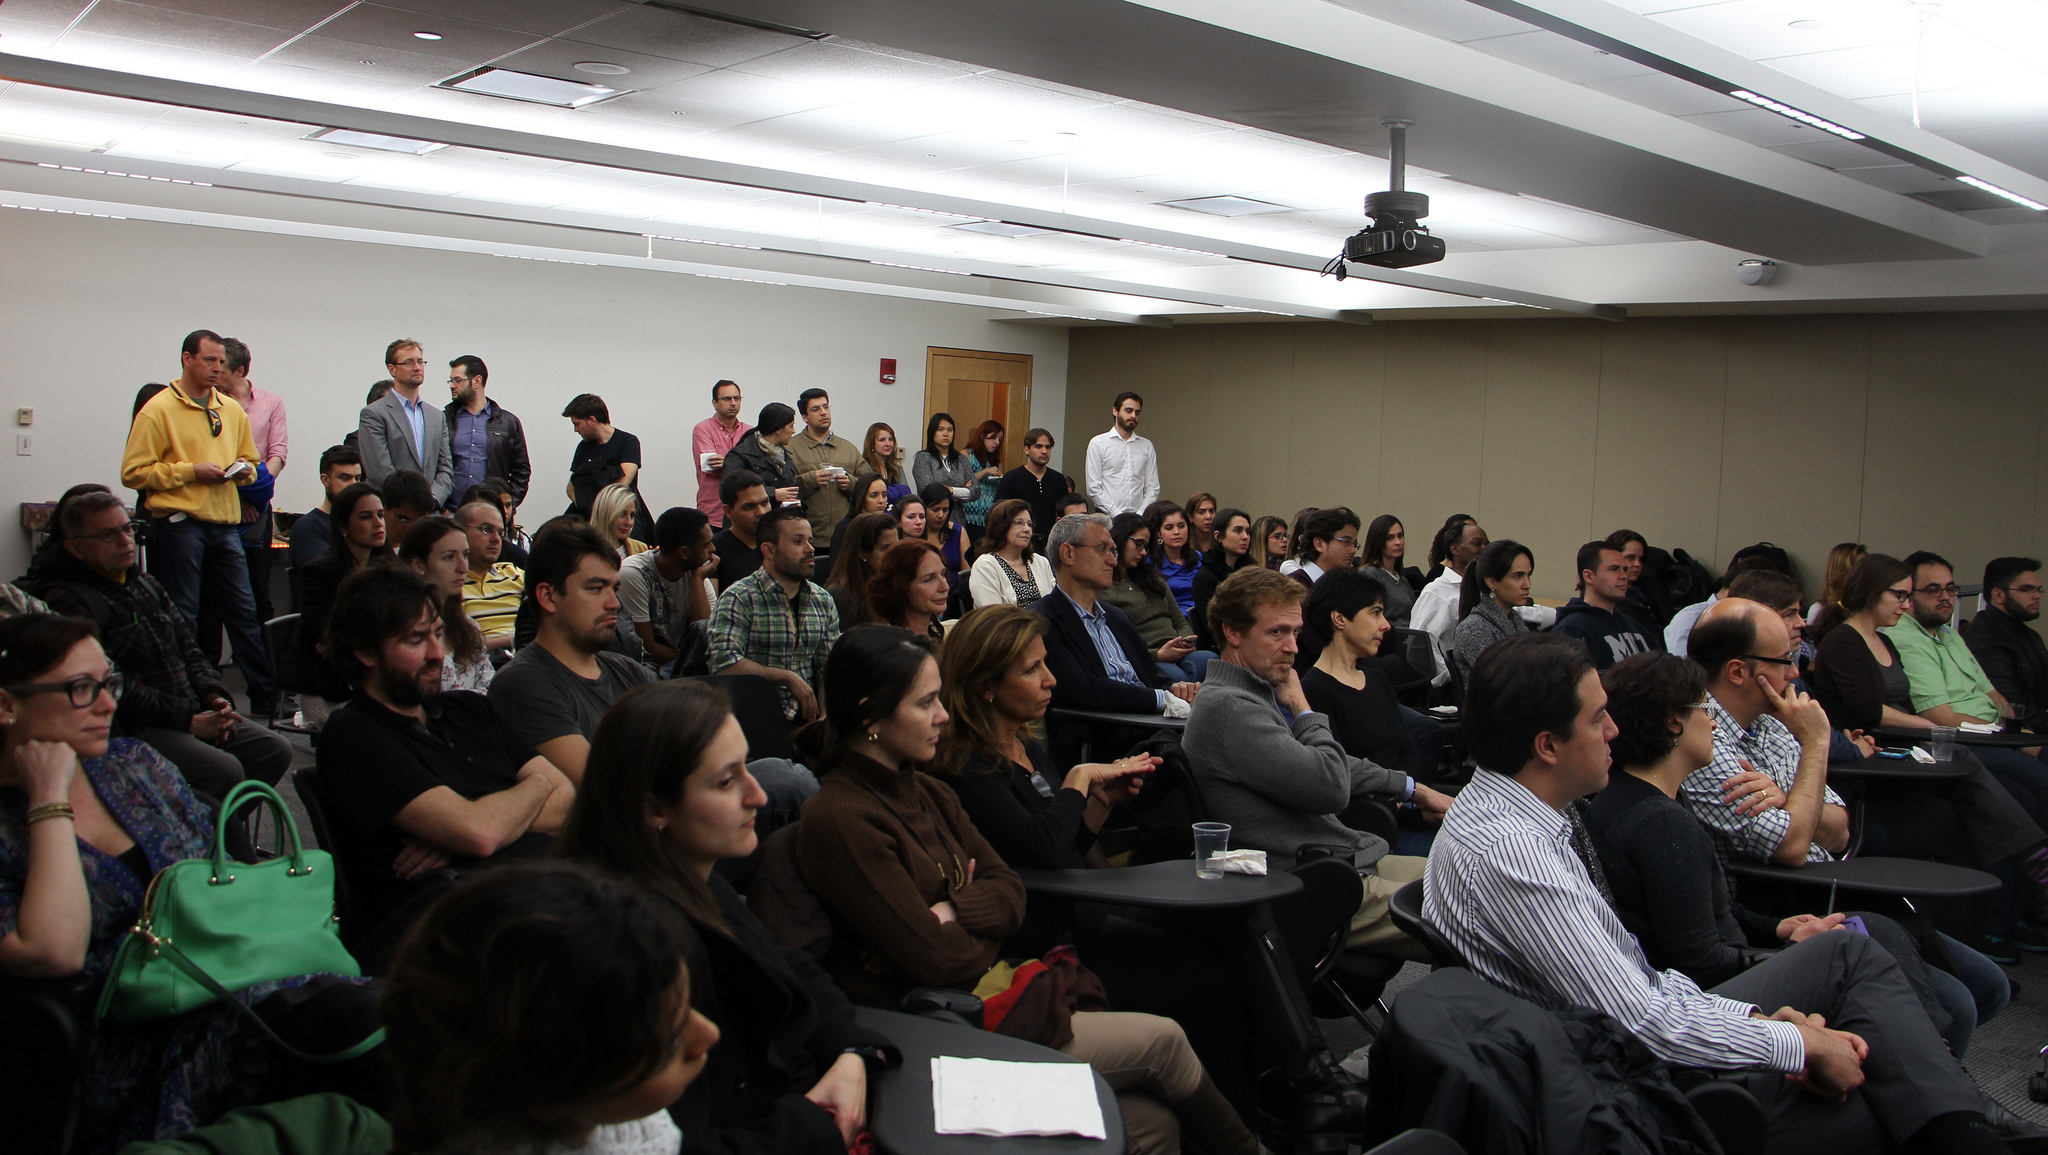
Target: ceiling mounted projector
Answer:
pixel 1396 239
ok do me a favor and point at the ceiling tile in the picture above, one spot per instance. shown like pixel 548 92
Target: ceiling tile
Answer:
pixel 660 107
pixel 1761 29
pixel 24 39
pixel 1668 95
pixel 1757 126
pixel 851 72
pixel 347 58
pixel 558 58
pixel 540 17
pixel 123 54
pixel 1829 152
pixel 764 96
pixel 181 29
pixel 1555 55
pixel 49 13
pixel 462 42
pixel 1901 178
pixel 828 130
pixel 1959 109
pixel 289 15
pixel 681 36
pixel 1456 22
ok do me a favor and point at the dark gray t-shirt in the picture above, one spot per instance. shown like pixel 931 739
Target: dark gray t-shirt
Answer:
pixel 541 699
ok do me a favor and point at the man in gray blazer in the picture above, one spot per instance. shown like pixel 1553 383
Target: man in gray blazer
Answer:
pixel 401 431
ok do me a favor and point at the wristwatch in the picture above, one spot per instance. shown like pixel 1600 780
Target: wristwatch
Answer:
pixel 875 1058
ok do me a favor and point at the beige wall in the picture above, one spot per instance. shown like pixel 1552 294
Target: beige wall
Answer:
pixel 1901 431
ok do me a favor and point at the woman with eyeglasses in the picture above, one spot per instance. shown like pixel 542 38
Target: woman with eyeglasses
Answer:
pixel 86 821
pixel 1665 879
pixel 1857 674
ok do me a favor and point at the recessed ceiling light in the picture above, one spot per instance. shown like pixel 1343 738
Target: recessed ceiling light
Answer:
pixel 1226 206
pixel 378 141
pixel 600 68
pixel 371 63
pixel 1804 25
pixel 427 35
pixel 1800 115
pixel 528 87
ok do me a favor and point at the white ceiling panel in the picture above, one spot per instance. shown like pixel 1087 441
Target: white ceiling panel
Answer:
pixel 1757 126
pixel 1957 109
pixel 288 15
pixel 1830 152
pixel 1764 29
pixel 1901 178
pixel 1455 22
pixel 762 95
pixel 366 61
pixel 1668 95
pixel 681 36
pixel 1559 57
pixel 464 44
pixel 855 72
pixel 559 58
pixel 126 55
pixel 53 13
pixel 541 17
pixel 26 39
pixel 163 26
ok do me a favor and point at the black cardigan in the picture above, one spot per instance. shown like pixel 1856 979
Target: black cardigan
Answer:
pixel 1849 683
pixel 1214 570
pixel 1668 887
pixel 1367 722
pixel 1026 828
pixel 781 1025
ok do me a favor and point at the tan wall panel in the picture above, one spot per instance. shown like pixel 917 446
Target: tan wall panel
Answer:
pixel 1955 437
pixel 1434 419
pixel 1792 464
pixel 1241 439
pixel 1542 386
pixel 1661 407
pixel 1337 423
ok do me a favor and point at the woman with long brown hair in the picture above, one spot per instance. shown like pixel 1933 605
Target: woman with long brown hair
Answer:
pixel 909 590
pixel 1202 511
pixel 667 796
pixel 922 898
pixel 885 458
pixel 986 455
pixel 437 549
pixel 867 539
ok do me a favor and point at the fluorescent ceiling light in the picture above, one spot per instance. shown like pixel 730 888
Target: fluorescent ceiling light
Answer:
pixel 378 141
pixel 2008 194
pixel 1799 115
pixel 922 268
pixel 1003 229
pixel 1227 206
pixel 529 87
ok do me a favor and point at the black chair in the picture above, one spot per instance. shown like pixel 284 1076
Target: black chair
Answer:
pixel 44 1023
pixel 307 782
pixel 757 704
pixel 1315 925
pixel 281 639
pixel 1406 910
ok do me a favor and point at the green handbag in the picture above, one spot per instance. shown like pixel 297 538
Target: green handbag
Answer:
pixel 213 926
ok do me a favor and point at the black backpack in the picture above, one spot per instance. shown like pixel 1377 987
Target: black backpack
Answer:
pixel 1774 554
pixel 1686 581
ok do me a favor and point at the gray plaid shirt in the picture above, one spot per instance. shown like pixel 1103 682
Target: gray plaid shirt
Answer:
pixel 752 620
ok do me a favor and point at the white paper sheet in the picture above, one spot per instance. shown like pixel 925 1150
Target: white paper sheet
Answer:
pixel 994 1097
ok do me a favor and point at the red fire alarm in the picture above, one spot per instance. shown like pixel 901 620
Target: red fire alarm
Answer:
pixel 888 370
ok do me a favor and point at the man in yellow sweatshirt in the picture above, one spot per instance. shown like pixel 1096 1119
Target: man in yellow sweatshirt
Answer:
pixel 188 450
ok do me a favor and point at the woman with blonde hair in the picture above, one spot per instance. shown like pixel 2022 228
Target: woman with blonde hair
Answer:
pixel 1270 541
pixel 1841 560
pixel 611 514
pixel 885 459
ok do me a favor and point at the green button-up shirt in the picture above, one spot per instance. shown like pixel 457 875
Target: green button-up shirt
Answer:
pixel 752 620
pixel 1941 670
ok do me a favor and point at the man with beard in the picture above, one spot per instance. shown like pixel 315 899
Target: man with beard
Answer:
pixel 2008 649
pixel 485 439
pixel 776 621
pixel 554 691
pixel 415 779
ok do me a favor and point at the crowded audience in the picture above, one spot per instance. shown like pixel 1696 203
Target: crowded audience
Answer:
pixel 789 744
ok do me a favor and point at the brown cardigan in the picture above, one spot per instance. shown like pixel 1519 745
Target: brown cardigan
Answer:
pixel 877 845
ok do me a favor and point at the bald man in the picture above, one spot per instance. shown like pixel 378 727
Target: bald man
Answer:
pixel 1765 796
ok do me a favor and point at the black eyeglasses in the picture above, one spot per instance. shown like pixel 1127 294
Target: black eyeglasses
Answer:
pixel 212 418
pixel 83 691
pixel 114 535
pixel 1773 661
pixel 1935 591
pixel 2024 590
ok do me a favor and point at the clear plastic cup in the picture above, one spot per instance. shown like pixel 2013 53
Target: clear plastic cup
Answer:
pixel 1941 742
pixel 1210 838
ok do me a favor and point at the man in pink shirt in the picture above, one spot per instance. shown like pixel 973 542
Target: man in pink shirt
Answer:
pixel 710 441
pixel 267 429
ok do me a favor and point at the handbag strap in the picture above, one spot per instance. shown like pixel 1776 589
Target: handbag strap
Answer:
pixel 198 974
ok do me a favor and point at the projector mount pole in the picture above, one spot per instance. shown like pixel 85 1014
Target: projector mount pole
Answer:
pixel 1397 207
pixel 1397 153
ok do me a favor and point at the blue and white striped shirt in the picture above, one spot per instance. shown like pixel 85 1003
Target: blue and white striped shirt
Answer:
pixel 1769 747
pixel 1505 888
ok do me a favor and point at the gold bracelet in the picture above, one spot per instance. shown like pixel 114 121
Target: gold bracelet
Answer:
pixel 50 810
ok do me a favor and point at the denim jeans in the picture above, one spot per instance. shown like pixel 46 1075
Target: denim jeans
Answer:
pixel 1972 987
pixel 1189 669
pixel 189 554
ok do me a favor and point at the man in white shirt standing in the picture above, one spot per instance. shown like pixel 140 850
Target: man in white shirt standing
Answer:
pixel 1123 468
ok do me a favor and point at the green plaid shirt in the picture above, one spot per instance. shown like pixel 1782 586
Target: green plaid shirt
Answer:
pixel 752 620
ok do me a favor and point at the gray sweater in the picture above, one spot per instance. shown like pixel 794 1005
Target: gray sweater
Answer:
pixel 1279 785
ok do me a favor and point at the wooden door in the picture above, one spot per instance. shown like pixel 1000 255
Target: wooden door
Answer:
pixel 974 387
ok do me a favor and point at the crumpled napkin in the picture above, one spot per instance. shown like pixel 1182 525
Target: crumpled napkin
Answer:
pixel 1240 862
